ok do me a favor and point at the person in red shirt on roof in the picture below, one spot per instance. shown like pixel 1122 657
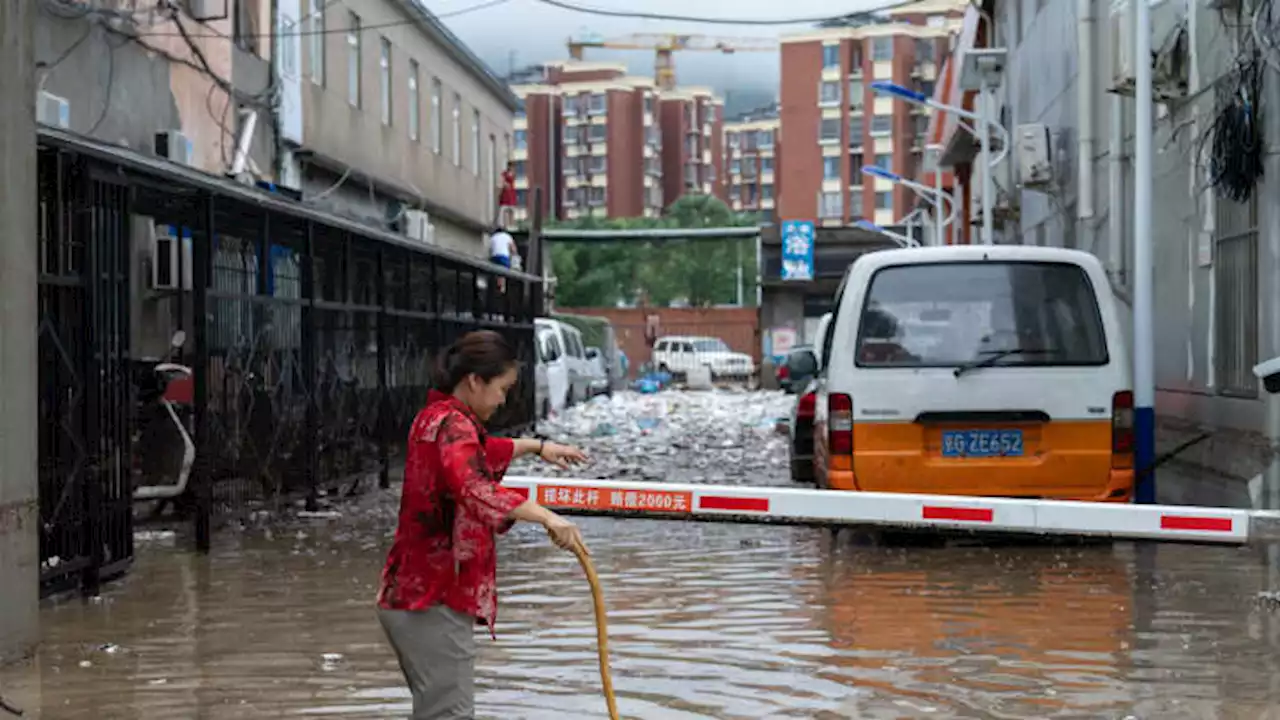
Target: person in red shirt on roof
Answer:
pixel 440 578
pixel 507 196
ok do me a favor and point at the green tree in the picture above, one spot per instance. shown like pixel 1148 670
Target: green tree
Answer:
pixel 699 272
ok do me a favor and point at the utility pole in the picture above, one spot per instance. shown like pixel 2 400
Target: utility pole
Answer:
pixel 19 511
pixel 1144 382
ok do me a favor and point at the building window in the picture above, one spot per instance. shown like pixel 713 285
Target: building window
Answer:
pixel 766 191
pixel 881 124
pixel 353 60
pixel 856 93
pixel 830 168
pixel 766 164
pixel 415 103
pixel 735 167
pixel 884 161
pixel 288 50
pixel 884 200
pixel 596 196
pixel 830 56
pixel 437 116
pixel 856 130
pixel 597 133
pixel 830 206
pixel 596 165
pixel 457 129
pixel 475 141
pixel 855 202
pixel 522 198
pixel 829 92
pixel 520 168
pixel 764 139
pixel 522 139
pixel 925 50
pixel 830 130
pixel 318 36
pixel 926 87
pixel 595 104
pixel 882 48
pixel 384 80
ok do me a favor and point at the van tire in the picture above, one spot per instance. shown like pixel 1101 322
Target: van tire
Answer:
pixel 801 471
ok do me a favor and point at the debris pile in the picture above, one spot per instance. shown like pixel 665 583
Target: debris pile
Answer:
pixel 721 437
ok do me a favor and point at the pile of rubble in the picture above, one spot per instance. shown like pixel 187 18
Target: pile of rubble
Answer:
pixel 718 437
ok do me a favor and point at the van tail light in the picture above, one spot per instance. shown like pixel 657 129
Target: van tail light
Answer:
pixel 1122 427
pixel 840 424
pixel 804 410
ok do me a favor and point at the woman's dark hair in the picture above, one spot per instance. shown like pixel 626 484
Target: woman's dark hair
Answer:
pixel 483 352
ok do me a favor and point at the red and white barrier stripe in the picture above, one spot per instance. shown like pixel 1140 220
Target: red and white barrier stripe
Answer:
pixel 897 510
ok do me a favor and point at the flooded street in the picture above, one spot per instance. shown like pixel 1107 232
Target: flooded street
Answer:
pixel 706 620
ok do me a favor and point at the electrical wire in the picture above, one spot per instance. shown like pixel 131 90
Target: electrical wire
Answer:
pixel 1235 148
pixel 857 14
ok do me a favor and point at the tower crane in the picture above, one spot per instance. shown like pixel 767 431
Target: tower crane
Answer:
pixel 664 46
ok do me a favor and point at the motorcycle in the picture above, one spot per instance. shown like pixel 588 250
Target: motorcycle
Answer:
pixel 164 448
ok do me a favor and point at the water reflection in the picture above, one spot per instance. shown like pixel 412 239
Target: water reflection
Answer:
pixel 708 621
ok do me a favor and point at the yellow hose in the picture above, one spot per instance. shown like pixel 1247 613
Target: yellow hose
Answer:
pixel 602 630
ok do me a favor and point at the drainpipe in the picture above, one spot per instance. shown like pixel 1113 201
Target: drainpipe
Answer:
pixel 1115 194
pixel 1085 82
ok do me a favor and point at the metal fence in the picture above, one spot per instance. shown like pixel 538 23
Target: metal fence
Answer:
pixel 312 339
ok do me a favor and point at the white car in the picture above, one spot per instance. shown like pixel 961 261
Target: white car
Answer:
pixel 552 374
pixel 680 354
pixel 577 366
pixel 600 382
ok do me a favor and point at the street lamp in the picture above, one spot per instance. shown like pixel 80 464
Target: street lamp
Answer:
pixel 918 98
pixel 902 240
pixel 938 197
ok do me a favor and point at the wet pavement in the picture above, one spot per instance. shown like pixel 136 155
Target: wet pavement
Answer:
pixel 706 621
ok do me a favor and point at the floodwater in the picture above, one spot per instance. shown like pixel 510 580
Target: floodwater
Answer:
pixel 706 621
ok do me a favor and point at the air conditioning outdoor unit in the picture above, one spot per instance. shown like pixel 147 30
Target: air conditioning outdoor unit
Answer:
pixel 174 146
pixel 170 259
pixel 417 226
pixel 1035 162
pixel 53 110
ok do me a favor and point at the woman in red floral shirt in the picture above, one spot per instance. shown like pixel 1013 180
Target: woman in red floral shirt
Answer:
pixel 440 577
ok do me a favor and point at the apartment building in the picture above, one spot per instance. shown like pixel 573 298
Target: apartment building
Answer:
pixel 752 148
pixel 692 121
pixel 393 120
pixel 832 123
pixel 588 138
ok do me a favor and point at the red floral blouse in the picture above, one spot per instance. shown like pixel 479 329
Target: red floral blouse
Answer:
pixel 451 508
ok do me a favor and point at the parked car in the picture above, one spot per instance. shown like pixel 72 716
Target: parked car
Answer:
pixel 575 356
pixel 802 364
pixel 554 365
pixel 787 379
pixel 680 354
pixel 600 382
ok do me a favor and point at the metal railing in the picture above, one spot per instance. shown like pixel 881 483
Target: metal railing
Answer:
pixel 312 339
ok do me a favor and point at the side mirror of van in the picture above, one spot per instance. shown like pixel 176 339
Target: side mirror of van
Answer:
pixel 1269 373
pixel 802 364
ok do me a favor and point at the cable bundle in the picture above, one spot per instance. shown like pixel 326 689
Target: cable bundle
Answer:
pixel 1236 153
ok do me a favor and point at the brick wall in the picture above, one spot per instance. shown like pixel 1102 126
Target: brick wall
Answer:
pixel 738 327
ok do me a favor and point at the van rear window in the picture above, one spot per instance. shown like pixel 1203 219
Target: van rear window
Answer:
pixel 1008 313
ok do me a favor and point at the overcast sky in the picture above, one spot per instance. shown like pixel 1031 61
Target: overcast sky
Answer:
pixel 524 32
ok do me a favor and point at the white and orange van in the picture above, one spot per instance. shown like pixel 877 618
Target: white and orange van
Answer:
pixel 976 370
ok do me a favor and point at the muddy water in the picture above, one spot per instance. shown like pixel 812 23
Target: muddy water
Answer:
pixel 708 621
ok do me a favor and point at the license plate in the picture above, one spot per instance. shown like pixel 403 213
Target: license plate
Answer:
pixel 982 443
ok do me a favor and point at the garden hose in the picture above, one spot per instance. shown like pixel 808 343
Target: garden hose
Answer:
pixel 602 630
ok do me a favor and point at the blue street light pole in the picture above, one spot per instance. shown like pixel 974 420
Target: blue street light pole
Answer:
pixel 899 238
pixel 938 197
pixel 914 97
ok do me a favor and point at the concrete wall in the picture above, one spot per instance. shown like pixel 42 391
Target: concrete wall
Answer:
pixel 19 516
pixel 1041 87
pixel 357 136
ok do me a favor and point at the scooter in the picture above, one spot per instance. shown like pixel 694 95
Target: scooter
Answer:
pixel 163 437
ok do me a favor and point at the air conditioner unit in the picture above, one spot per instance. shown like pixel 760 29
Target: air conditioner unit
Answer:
pixel 53 110
pixel 1122 65
pixel 170 258
pixel 174 146
pixel 417 226
pixel 1035 161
